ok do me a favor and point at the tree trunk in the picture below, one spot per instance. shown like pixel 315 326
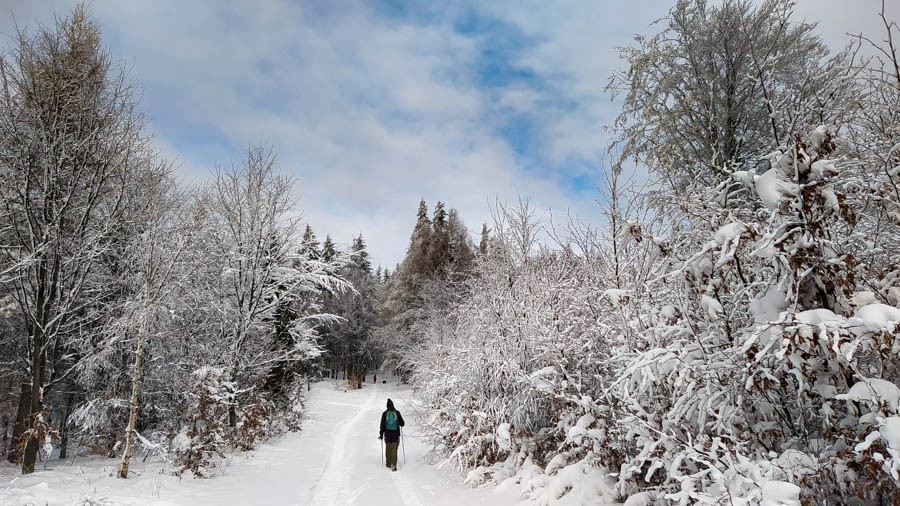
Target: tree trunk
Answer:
pixel 135 391
pixel 20 423
pixel 63 428
pixel 37 381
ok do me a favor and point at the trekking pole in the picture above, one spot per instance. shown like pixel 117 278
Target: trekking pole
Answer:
pixel 382 451
pixel 402 445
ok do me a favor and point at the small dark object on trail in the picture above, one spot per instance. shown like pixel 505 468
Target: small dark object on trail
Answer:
pixel 383 381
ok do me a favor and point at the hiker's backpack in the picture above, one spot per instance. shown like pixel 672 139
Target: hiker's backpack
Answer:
pixel 390 420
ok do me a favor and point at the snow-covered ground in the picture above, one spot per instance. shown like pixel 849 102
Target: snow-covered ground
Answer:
pixel 334 460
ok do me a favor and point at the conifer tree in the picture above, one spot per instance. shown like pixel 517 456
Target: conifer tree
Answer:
pixel 485 239
pixel 360 255
pixel 309 247
pixel 328 250
pixel 459 248
pixel 349 347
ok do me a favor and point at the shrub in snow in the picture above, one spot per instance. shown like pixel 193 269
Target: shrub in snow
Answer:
pixel 756 367
pixel 512 379
pixel 93 500
pixel 201 445
pixel 101 422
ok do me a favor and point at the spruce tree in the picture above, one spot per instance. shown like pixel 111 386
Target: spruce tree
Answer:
pixel 459 248
pixel 309 247
pixel 328 251
pixel 360 255
pixel 438 253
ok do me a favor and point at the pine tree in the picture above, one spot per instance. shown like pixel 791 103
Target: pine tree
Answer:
pixel 416 263
pixel 438 252
pixel 460 249
pixel 348 344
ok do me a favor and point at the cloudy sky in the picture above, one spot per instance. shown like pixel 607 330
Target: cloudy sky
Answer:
pixel 374 105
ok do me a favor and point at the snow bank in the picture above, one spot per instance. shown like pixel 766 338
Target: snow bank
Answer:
pixel 574 485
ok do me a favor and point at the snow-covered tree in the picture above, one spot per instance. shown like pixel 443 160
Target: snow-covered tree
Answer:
pixel 72 146
pixel 248 206
pixel 348 341
pixel 439 251
pixel 717 86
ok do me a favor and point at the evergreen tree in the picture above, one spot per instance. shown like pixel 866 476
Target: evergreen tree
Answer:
pixel 459 249
pixel 360 255
pixel 416 262
pixel 309 247
pixel 328 250
pixel 438 252
pixel 349 344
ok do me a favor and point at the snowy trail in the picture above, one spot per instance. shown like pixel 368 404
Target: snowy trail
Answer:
pixel 354 472
pixel 336 460
pixel 335 485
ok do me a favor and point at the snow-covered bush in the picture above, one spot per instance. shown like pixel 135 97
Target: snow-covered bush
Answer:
pixel 201 445
pixel 101 423
pixel 778 368
pixel 512 379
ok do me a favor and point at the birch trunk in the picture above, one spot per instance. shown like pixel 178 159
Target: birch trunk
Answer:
pixel 135 392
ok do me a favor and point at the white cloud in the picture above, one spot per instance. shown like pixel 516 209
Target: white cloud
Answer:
pixel 372 113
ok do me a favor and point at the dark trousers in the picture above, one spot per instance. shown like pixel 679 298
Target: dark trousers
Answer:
pixel 390 453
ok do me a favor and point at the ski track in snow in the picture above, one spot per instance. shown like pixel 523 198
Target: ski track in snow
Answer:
pixel 349 477
pixel 329 489
pixel 405 489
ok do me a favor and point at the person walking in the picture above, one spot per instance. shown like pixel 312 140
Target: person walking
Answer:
pixel 391 421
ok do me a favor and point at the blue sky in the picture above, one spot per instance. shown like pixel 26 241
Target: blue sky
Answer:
pixel 374 105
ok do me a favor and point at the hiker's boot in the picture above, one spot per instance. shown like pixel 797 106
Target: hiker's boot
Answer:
pixel 393 468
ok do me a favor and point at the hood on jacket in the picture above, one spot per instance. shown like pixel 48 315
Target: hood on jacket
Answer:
pixel 390 404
